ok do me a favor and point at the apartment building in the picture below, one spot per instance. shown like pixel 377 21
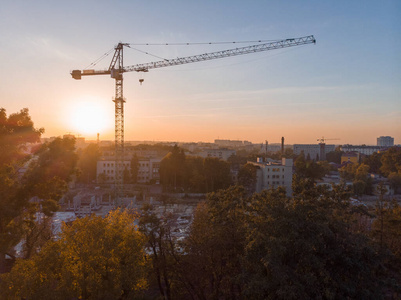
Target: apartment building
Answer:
pixel 148 169
pixel 314 151
pixel 272 174
pixel 385 141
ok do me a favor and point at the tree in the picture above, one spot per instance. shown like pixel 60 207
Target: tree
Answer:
pixel 309 168
pixel 95 258
pixel 395 181
pixel 269 246
pixel 358 174
pixel 386 227
pixel 87 163
pixel 211 268
pixel 217 174
pixel 359 187
pixel 334 156
pixel 46 177
pixel 391 161
pixel 236 160
pixel 247 177
pixel 16 131
pixel 161 248
pixel 374 162
pixel 172 168
pixel 194 174
pixel 303 249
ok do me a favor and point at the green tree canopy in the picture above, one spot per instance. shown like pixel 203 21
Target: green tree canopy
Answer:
pixel 22 177
pixel 247 177
pixel 87 163
pixel 309 168
pixel 273 247
pixel 391 161
pixel 16 131
pixel 94 258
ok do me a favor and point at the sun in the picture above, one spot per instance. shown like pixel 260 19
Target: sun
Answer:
pixel 90 116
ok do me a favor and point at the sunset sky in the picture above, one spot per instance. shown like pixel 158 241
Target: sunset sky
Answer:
pixel 347 86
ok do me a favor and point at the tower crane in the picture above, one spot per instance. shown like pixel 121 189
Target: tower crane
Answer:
pixel 322 140
pixel 116 70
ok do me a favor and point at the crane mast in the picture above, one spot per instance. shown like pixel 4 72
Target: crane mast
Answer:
pixel 116 70
pixel 116 67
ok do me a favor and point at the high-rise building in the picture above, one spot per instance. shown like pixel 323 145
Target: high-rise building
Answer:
pixel 385 141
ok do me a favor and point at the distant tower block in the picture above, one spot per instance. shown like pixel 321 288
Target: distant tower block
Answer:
pixel 385 141
pixel 97 138
pixel 282 145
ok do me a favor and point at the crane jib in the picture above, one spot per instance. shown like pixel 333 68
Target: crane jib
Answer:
pixel 224 53
pixel 77 74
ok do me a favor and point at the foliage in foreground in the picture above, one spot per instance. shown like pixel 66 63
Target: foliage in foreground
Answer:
pixel 95 258
pixel 29 182
pixel 265 246
pixel 268 246
pixel 272 247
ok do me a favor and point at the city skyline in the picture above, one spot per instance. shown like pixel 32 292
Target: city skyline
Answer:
pixel 346 86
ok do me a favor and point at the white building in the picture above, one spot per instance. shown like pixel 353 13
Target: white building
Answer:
pixel 272 174
pixel 228 143
pixel 385 141
pixel 223 154
pixel 315 151
pixel 148 169
pixel 367 150
pixel 108 168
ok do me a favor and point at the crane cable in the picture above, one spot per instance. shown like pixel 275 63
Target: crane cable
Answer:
pixel 146 53
pixel 99 59
pixel 187 44
pixel 201 43
pixel 170 44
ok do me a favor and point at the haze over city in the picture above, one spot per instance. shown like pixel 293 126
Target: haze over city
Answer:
pixel 347 86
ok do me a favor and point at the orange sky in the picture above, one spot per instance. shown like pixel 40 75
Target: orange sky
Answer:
pixel 347 86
